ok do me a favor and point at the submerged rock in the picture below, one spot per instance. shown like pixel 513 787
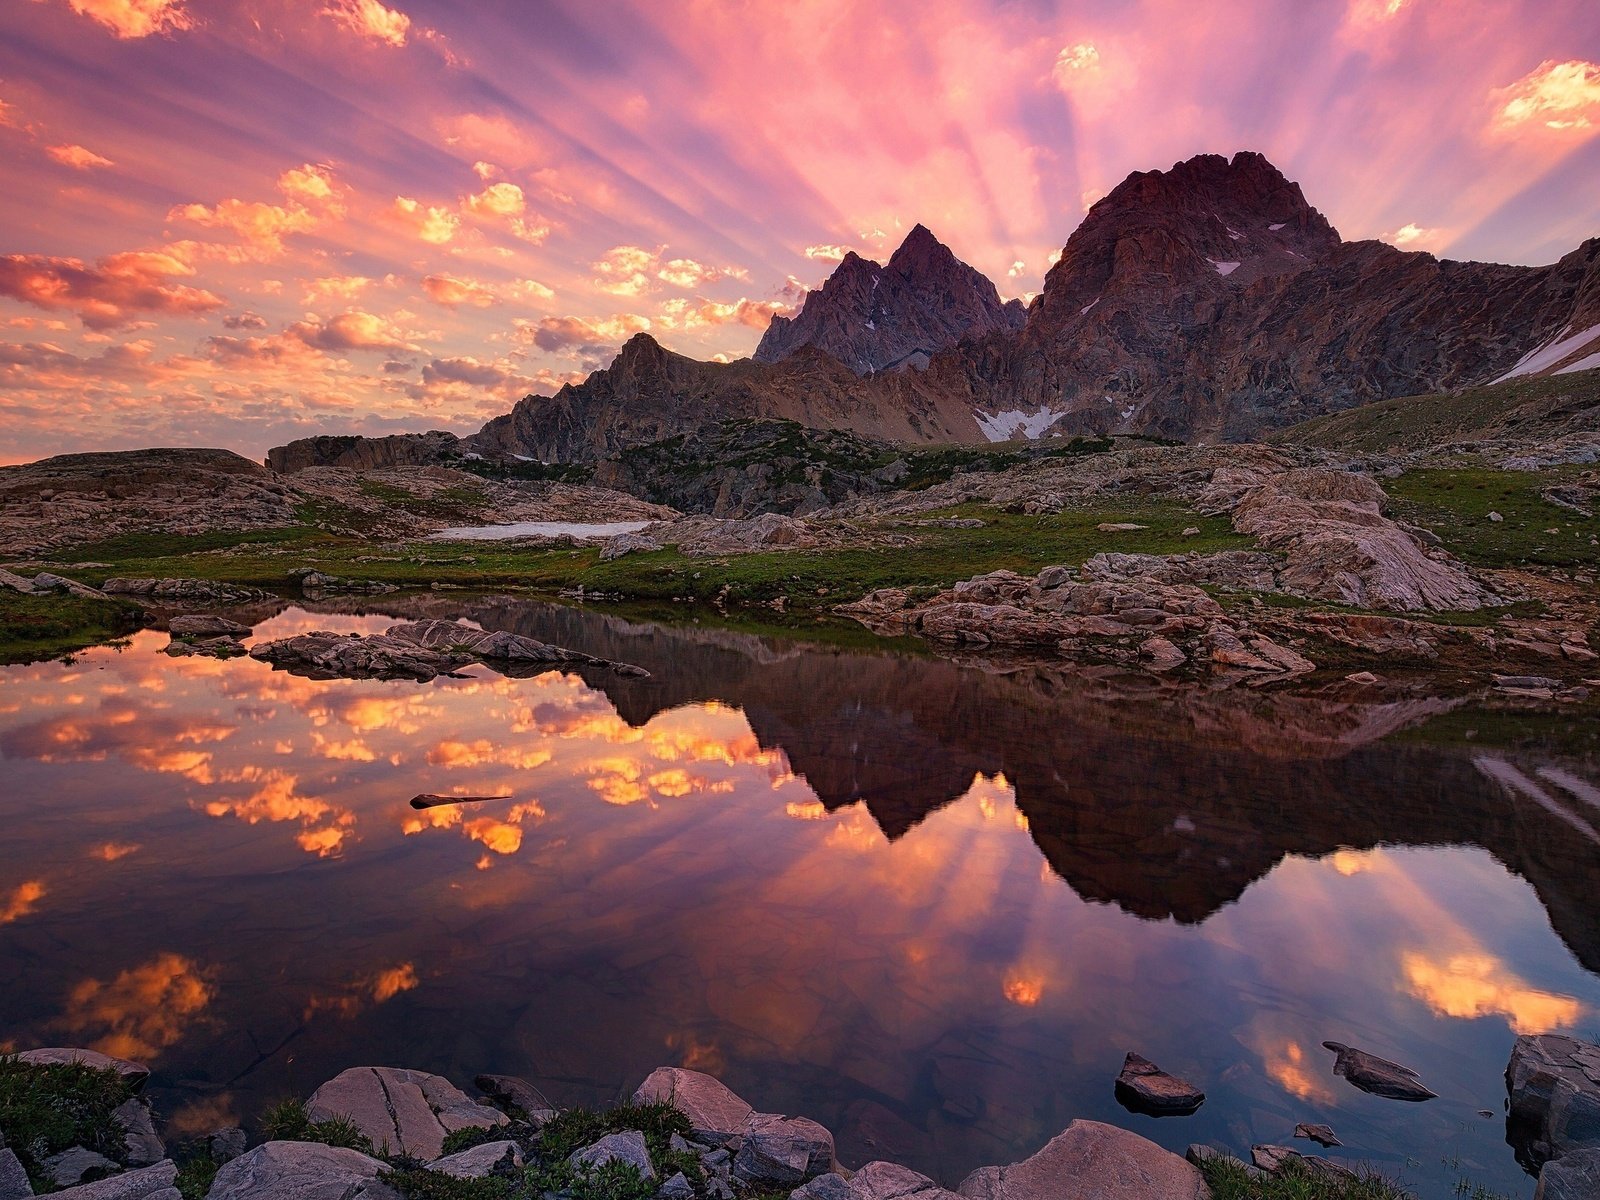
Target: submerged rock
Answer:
pixel 1377 1075
pixel 1091 1161
pixel 206 625
pixel 407 1112
pixel 1553 1083
pixel 1322 1135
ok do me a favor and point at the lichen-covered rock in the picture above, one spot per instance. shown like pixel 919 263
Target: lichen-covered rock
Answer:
pixel 715 1113
pixel 406 1112
pixel 1091 1161
pixel 300 1171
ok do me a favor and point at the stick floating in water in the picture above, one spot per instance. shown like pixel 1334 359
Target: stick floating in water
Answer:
pixel 428 800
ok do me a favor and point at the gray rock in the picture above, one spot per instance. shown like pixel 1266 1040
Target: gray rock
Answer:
pixel 1575 1176
pixel 783 1150
pixel 1272 1158
pixel 1144 1087
pixel 144 1147
pixel 14 1183
pixel 186 591
pixel 1200 1154
pixel 517 1096
pixel 625 1147
pixel 225 1145
pixel 826 1187
pixel 1554 1086
pixel 883 1181
pixel 677 1188
pixel 147 1183
pixel 205 625
pixel 73 1163
pixel 1377 1075
pixel 133 1074
pixel 479 1161
pixel 715 1113
pixel 627 543
pixel 407 1112
pixel 1091 1161
pixel 1322 1135
pixel 296 1171
pixel 17 583
pixel 46 582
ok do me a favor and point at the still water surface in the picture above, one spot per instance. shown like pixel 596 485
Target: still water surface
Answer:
pixel 930 906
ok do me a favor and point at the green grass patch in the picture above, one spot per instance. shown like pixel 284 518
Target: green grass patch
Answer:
pixel 47 1109
pixel 1456 502
pixel 196 1175
pixel 36 628
pixel 1229 1179
pixel 133 547
pixel 288 1121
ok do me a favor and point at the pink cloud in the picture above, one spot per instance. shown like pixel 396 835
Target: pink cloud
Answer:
pixel 371 20
pixel 112 292
pixel 78 157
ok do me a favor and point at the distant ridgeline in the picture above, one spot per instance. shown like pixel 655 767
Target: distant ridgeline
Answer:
pixel 1209 302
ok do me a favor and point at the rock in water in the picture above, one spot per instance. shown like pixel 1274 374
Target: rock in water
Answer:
pixel 409 1112
pixel 1322 1135
pixel 1377 1075
pixel 1091 1161
pixel 715 1114
pixel 300 1171
pixel 1145 1088
pixel 206 625
pixel 1573 1177
pixel 876 1181
pixel 1554 1087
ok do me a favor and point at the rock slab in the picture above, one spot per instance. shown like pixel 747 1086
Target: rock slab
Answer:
pixel 627 1148
pixel 133 1074
pixel 299 1171
pixel 1574 1177
pixel 409 1112
pixel 14 1183
pixel 1144 1087
pixel 149 1183
pixel 783 1151
pixel 479 1161
pixel 1091 1161
pixel 1378 1076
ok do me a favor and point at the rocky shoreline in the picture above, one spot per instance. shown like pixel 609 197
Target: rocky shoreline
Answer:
pixel 387 1133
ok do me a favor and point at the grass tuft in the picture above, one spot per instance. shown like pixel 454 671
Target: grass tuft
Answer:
pixel 288 1121
pixel 45 1109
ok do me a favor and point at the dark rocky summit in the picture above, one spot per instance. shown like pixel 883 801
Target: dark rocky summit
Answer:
pixel 880 318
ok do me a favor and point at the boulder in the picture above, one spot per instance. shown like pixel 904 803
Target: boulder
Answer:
pixel 139 1133
pixel 829 1186
pixel 676 1188
pixel 1145 1088
pixel 1091 1161
pixel 133 1074
pixel 879 1181
pixel 147 1183
pixel 515 1094
pixel 406 1112
pixel 627 543
pixel 206 625
pixel 1574 1176
pixel 781 1150
pixel 46 582
pixel 627 1147
pixel 14 1183
pixel 1554 1087
pixel 715 1114
pixel 16 583
pixel 299 1171
pixel 479 1161
pixel 1377 1075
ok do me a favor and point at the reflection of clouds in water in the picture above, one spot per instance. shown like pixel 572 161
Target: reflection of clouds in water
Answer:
pixel 196 1118
pixel 142 1011
pixel 123 730
pixel 1477 984
pixel 276 798
pixel 363 992
pixel 22 901
pixel 112 851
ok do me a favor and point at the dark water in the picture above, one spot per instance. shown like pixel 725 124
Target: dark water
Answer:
pixel 930 906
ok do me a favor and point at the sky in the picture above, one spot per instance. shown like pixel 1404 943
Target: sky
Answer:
pixel 233 223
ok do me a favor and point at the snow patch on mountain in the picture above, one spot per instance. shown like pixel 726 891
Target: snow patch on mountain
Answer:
pixel 1014 423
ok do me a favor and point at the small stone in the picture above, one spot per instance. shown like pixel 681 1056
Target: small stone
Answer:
pixel 1322 1135
pixel 1362 677
pixel 625 1147
pixel 677 1188
pixel 478 1161
pixel 1144 1087
pixel 1191 531
pixel 1272 1158
pixel 1496 517
pixel 70 1166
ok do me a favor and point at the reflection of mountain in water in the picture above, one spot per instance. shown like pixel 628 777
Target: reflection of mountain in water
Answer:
pixel 1166 801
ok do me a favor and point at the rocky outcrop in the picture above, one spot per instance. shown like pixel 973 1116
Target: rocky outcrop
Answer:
pixel 1378 1076
pixel 701 537
pixel 876 318
pixel 421 650
pixel 184 593
pixel 1553 1083
pixel 1091 1161
pixel 1575 1177
pixel 300 1171
pixel 478 1161
pixel 364 453
pixel 514 1094
pixel 627 1148
pixel 400 1111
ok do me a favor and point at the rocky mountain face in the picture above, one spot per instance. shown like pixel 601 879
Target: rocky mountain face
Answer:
pixel 649 394
pixel 879 318
pixel 363 453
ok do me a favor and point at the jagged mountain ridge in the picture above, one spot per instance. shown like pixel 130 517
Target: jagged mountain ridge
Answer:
pixel 1209 302
pixel 877 318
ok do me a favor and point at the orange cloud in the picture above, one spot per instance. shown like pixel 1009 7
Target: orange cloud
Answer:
pixel 757 314
pixel 135 18
pixel 78 157
pixel 453 292
pixel 114 291
pixel 142 1011
pixel 1480 985
pixel 24 897
pixel 371 20
pixel 430 223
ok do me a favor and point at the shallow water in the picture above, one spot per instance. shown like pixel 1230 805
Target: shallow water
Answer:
pixel 516 529
pixel 930 906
